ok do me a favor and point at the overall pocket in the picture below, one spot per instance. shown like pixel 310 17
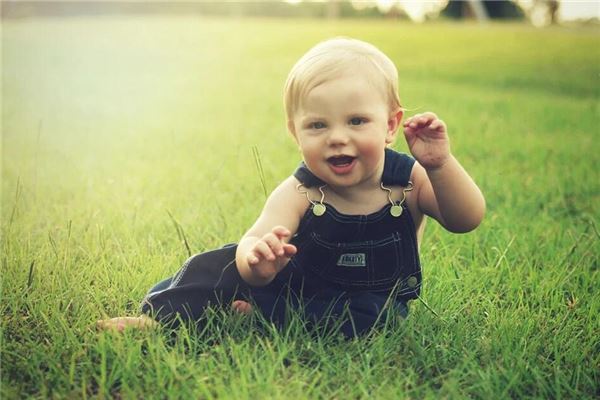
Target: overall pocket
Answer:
pixel 373 264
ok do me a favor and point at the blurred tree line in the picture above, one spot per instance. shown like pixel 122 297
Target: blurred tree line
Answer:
pixel 493 9
pixel 269 8
pixel 307 9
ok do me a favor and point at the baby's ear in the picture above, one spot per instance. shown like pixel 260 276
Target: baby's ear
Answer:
pixel 291 128
pixel 393 124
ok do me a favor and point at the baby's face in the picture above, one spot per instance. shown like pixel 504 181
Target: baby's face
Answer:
pixel 342 127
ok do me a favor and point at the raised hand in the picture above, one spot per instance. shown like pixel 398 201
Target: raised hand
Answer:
pixel 427 140
pixel 270 254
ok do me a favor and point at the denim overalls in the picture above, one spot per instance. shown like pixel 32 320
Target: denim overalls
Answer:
pixel 346 269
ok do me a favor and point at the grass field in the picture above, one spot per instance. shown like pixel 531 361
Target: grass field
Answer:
pixel 111 124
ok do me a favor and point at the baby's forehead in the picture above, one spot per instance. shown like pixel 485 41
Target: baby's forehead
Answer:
pixel 354 81
pixel 331 68
pixel 347 84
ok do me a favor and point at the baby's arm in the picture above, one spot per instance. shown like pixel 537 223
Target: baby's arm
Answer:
pixel 263 251
pixel 445 191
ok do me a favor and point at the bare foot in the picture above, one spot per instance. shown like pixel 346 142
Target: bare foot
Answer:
pixel 120 323
pixel 241 306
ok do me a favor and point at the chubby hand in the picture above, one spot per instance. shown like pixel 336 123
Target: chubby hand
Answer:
pixel 427 139
pixel 270 253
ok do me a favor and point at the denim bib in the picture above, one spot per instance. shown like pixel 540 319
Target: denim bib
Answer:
pixel 375 252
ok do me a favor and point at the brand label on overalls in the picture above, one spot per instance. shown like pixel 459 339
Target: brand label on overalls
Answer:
pixel 352 260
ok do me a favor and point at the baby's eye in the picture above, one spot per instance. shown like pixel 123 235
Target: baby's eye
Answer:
pixel 316 125
pixel 357 121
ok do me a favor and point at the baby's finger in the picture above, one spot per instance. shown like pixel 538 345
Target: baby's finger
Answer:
pixel 429 116
pixel 411 120
pixel 437 124
pixel 426 119
pixel 409 133
pixel 289 250
pixel 262 250
pixel 281 231
pixel 274 243
pixel 252 259
pixel 418 121
pixel 418 124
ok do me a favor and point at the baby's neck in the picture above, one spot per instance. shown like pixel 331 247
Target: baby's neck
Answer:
pixel 356 193
pixel 366 198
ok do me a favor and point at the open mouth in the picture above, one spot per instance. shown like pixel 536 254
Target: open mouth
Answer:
pixel 340 161
pixel 341 164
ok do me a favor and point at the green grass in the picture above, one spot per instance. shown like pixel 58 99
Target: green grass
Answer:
pixel 110 124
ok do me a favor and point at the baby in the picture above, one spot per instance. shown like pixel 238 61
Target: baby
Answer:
pixel 339 238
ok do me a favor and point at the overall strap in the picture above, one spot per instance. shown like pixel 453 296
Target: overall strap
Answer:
pixel 396 170
pixel 307 178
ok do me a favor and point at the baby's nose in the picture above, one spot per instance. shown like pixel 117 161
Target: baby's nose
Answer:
pixel 337 136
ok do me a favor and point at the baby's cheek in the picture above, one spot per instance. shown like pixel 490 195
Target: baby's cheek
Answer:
pixel 311 154
pixel 373 153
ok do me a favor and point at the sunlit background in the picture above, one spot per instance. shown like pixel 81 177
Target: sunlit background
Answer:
pixel 84 69
pixel 538 12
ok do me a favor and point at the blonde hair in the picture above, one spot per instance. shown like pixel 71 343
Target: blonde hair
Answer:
pixel 328 59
